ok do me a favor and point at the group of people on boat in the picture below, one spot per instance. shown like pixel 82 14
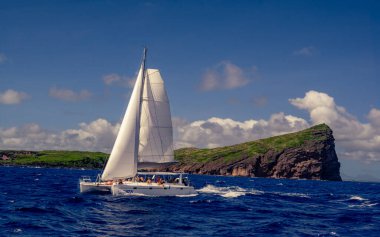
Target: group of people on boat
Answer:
pixel 149 180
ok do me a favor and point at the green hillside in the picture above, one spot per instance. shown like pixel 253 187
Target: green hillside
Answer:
pixel 82 159
pixel 248 149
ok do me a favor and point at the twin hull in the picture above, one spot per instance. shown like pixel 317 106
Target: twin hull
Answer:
pixel 137 189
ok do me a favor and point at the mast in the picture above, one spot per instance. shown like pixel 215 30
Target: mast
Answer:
pixel 137 143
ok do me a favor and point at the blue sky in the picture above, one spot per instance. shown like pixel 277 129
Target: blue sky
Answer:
pixel 241 60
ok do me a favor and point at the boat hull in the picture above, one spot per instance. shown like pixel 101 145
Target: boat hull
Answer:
pixel 94 187
pixel 143 189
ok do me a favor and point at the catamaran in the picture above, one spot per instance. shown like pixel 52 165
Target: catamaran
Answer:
pixel 144 141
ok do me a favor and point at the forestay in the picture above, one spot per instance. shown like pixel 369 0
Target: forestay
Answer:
pixel 123 159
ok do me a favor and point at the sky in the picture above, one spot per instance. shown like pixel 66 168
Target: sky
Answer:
pixel 234 71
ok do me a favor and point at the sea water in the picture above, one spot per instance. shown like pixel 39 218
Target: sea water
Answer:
pixel 47 202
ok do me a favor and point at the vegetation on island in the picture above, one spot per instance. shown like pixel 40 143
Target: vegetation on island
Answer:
pixel 85 159
pixel 249 149
pixel 69 159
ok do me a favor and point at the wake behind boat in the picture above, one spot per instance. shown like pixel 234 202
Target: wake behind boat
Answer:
pixel 145 140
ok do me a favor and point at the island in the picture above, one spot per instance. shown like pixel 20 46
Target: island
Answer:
pixel 307 154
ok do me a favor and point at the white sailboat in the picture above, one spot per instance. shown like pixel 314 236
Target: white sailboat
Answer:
pixel 145 140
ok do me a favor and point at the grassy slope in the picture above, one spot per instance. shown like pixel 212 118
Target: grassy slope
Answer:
pixel 61 159
pixel 184 155
pixel 248 149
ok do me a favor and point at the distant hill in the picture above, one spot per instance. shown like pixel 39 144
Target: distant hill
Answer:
pixel 69 159
pixel 308 154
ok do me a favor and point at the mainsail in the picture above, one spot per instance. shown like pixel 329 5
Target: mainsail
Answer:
pixel 146 133
pixel 156 132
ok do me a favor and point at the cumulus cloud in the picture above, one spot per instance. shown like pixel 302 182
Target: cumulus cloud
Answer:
pixel 69 95
pixel 225 75
pixel 116 79
pixel 305 51
pixel 97 135
pixel 216 132
pixel 354 139
pixel 3 58
pixel 10 97
pixel 374 117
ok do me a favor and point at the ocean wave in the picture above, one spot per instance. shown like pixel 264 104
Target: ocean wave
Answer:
pixel 201 201
pixel 357 198
pixel 187 195
pixel 227 192
pixel 302 195
pixel 365 204
pixel 124 193
pixel 356 201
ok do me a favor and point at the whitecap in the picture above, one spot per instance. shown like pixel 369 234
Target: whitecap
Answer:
pixel 293 195
pixel 124 193
pixel 357 198
pixel 365 204
pixel 188 195
pixel 209 189
pixel 232 194
pixel 228 192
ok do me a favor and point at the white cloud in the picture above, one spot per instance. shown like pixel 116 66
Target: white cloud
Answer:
pixel 305 51
pixel 354 139
pixel 374 117
pixel 224 75
pixel 116 79
pixel 97 135
pixel 3 58
pixel 69 95
pixel 111 78
pixel 216 132
pixel 10 97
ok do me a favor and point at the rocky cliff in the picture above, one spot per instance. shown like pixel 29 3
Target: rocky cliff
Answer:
pixel 308 154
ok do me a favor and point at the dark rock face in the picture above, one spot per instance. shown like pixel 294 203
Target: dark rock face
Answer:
pixel 315 159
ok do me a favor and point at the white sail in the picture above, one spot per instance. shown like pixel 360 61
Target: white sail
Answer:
pixel 156 132
pixel 123 159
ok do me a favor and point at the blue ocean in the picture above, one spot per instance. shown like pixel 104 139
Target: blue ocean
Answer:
pixel 47 202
